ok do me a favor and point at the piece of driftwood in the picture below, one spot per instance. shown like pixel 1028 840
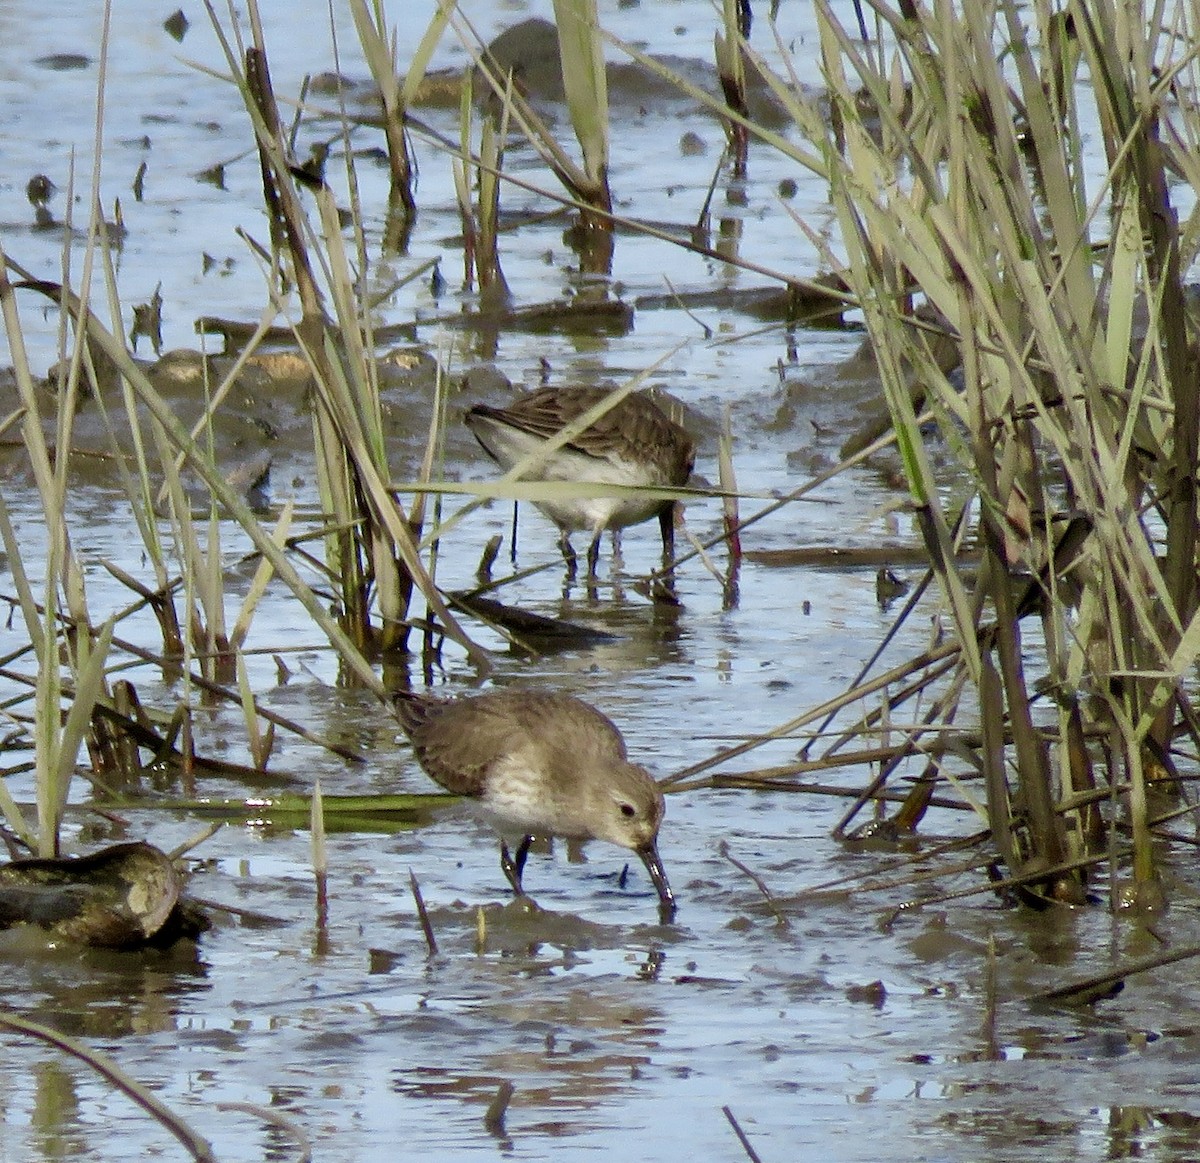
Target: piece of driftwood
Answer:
pixel 121 897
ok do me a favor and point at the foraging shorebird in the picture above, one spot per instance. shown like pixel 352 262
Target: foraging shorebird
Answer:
pixel 634 443
pixel 540 763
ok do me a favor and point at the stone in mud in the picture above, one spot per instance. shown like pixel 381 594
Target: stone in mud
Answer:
pixel 530 51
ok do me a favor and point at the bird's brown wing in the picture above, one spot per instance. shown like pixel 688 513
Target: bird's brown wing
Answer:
pixel 545 412
pixel 458 740
pixel 455 747
pixel 636 426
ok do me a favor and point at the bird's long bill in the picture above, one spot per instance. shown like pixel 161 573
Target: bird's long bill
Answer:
pixel 658 876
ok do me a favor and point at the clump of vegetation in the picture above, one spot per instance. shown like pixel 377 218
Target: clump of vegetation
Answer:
pixel 973 222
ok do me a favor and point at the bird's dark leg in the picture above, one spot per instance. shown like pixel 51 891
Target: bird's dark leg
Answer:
pixel 568 552
pixel 593 558
pixel 514 866
pixel 664 589
pixel 666 526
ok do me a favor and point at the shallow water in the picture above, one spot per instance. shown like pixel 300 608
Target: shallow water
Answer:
pixel 830 1033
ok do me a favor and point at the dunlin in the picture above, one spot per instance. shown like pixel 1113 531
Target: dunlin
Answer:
pixel 540 763
pixel 634 443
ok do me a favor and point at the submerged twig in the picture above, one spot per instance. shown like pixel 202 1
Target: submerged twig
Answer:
pixel 493 1117
pixel 751 1153
pixel 1038 876
pixel 921 877
pixel 843 885
pixel 251 918
pixel 989 1001
pixel 198 1147
pixel 276 1119
pixel 946 655
pixel 1100 985
pixel 780 919
pixel 205 833
pixel 320 862
pixel 423 914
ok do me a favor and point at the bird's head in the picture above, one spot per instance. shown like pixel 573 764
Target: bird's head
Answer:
pixel 630 812
pixel 627 807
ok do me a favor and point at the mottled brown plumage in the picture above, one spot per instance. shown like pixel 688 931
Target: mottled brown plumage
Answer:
pixel 540 763
pixel 634 443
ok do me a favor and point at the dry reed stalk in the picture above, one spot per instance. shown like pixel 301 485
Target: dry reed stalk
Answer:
pixel 195 1144
pixel 431 944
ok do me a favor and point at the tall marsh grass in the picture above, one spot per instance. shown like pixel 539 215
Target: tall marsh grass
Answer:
pixel 1016 193
pixel 371 554
pixel 1008 177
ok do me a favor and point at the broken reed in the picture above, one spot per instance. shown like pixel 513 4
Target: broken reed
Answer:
pixel 481 217
pixel 958 175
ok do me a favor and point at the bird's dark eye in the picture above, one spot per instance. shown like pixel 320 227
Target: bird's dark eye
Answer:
pixel 628 811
